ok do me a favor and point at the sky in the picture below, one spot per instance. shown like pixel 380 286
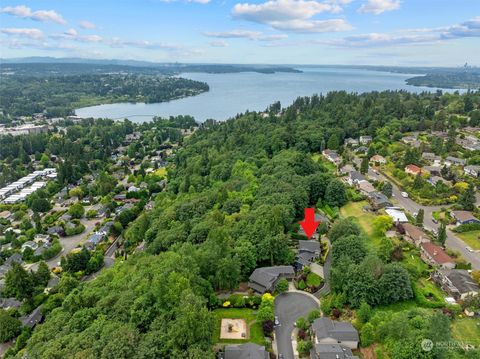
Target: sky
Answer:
pixel 375 32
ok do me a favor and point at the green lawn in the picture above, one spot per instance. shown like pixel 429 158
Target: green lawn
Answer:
pixel 471 238
pixel 256 331
pixel 467 330
pixel 364 219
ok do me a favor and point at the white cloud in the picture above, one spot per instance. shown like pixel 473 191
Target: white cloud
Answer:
pixel 379 6
pixel 84 24
pixel 293 15
pixel 219 43
pixel 470 28
pixel 39 15
pixel 71 32
pixel 23 32
pixel 245 34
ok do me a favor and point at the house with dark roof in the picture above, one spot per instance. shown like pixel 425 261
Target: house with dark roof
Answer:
pixel 431 157
pixel 473 170
pixel 351 142
pixel 378 200
pixel 14 258
pixel 355 177
pixel 414 234
pixel 435 255
pixel 331 351
pixel 454 161
pixel 464 217
pixel 308 252
pixel 332 156
pixel 8 303
pixel 244 351
pixel 456 282
pixel 327 331
pixel 265 279
pixel 32 319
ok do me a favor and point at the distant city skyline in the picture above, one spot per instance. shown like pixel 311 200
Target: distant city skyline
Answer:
pixel 349 32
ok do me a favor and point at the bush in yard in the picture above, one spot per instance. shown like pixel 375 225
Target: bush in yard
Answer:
pixel 268 326
pixel 364 313
pixel 301 285
pixel 336 313
pixel 314 280
pixel 467 227
pixel 282 285
pixel 304 347
pixel 302 323
pixel 314 314
pixel 367 335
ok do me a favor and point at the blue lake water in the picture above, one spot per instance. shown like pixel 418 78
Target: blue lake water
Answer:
pixel 231 94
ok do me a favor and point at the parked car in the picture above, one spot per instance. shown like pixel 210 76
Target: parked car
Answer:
pixel 277 322
pixel 404 194
pixel 469 249
pixel 434 220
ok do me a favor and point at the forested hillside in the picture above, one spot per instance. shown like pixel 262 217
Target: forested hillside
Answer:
pixel 234 195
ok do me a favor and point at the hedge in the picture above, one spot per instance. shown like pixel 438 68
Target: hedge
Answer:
pixel 467 227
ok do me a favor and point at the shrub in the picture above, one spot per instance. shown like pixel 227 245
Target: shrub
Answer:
pixel 304 347
pixel 301 285
pixel 302 323
pixel 268 326
pixel 367 335
pixel 467 227
pixel 282 285
pixel 314 280
pixel 314 314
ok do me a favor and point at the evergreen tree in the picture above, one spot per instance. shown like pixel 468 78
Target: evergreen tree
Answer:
pixel 387 189
pixel 467 199
pixel 333 142
pixel 420 217
pixel 442 233
pixel 364 165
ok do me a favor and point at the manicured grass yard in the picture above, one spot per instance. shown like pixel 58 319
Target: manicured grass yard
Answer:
pixel 467 330
pixel 364 219
pixel 255 328
pixel 470 238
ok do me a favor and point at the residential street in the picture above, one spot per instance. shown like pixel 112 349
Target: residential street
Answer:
pixel 289 307
pixel 408 204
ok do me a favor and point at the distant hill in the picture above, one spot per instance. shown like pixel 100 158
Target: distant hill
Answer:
pixel 49 64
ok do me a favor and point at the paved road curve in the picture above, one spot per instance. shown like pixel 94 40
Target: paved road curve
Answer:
pixel 288 308
pixel 452 242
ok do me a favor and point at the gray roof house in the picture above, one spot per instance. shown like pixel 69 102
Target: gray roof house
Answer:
pixel 473 171
pixel 308 251
pixel 266 278
pixel 7 303
pixel 331 351
pixel 14 258
pixel 378 200
pixel 327 331
pixel 244 351
pixel 32 319
pixel 456 282
pixel 449 161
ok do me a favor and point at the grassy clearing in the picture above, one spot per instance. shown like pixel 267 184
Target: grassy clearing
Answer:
pixel 470 238
pixel 313 280
pixel 365 220
pixel 255 328
pixel 467 330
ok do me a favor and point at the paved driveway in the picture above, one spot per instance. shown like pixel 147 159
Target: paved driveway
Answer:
pixel 288 308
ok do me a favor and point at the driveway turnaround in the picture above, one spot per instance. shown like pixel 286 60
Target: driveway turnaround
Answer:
pixel 289 307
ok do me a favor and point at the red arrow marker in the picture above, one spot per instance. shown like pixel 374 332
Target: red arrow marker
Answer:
pixel 309 224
